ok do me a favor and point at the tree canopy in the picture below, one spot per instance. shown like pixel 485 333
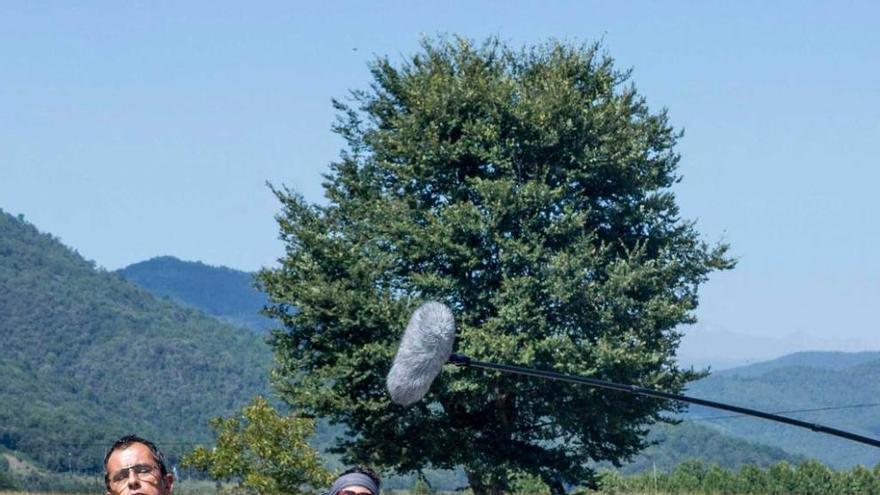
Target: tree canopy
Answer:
pixel 530 191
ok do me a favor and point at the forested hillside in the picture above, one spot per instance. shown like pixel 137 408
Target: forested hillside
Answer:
pixel 217 290
pixel 834 389
pixel 87 356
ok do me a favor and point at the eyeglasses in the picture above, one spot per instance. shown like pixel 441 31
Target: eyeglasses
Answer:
pixel 146 472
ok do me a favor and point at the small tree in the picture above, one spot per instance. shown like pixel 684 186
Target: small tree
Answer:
pixel 752 479
pixel 421 486
pixel 688 476
pixel 529 191
pixel 812 478
pixel 859 481
pixel 781 479
pixel 263 452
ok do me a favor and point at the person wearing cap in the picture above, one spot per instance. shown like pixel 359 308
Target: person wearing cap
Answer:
pixel 358 480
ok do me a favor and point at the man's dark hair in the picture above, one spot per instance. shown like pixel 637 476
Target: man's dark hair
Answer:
pixel 365 471
pixel 126 442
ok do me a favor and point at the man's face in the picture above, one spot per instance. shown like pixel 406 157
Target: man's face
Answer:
pixel 133 471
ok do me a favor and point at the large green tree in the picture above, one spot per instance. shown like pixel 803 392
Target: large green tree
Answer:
pixel 529 190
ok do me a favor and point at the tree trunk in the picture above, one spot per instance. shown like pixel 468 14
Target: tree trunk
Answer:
pixel 555 485
pixel 480 485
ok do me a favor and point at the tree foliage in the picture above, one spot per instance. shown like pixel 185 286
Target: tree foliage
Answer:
pixel 264 452
pixel 529 190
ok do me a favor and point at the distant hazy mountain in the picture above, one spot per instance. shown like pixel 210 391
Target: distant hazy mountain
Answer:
pixel 835 389
pixel 87 356
pixel 219 291
pixel 705 345
pixel 818 360
pixel 708 346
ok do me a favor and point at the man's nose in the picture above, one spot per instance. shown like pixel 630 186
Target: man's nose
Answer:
pixel 133 479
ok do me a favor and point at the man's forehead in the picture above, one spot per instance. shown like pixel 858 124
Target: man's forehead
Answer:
pixel 135 453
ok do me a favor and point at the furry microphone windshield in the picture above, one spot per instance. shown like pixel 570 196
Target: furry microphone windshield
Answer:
pixel 424 348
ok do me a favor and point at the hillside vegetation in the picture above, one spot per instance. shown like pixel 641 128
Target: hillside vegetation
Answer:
pixel 219 291
pixel 87 356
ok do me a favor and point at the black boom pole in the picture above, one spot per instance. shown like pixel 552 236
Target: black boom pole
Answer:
pixel 460 360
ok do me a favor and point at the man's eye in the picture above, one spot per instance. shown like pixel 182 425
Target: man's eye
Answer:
pixel 142 469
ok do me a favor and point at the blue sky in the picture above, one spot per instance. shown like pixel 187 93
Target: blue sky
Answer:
pixel 136 129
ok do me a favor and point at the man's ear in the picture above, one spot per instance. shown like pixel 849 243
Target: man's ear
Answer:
pixel 168 481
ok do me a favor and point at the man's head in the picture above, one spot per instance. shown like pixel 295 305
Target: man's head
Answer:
pixel 135 466
pixel 358 480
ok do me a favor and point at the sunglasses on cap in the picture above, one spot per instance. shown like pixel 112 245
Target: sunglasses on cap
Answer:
pixel 352 492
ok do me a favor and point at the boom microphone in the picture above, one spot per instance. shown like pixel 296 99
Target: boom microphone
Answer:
pixel 424 348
